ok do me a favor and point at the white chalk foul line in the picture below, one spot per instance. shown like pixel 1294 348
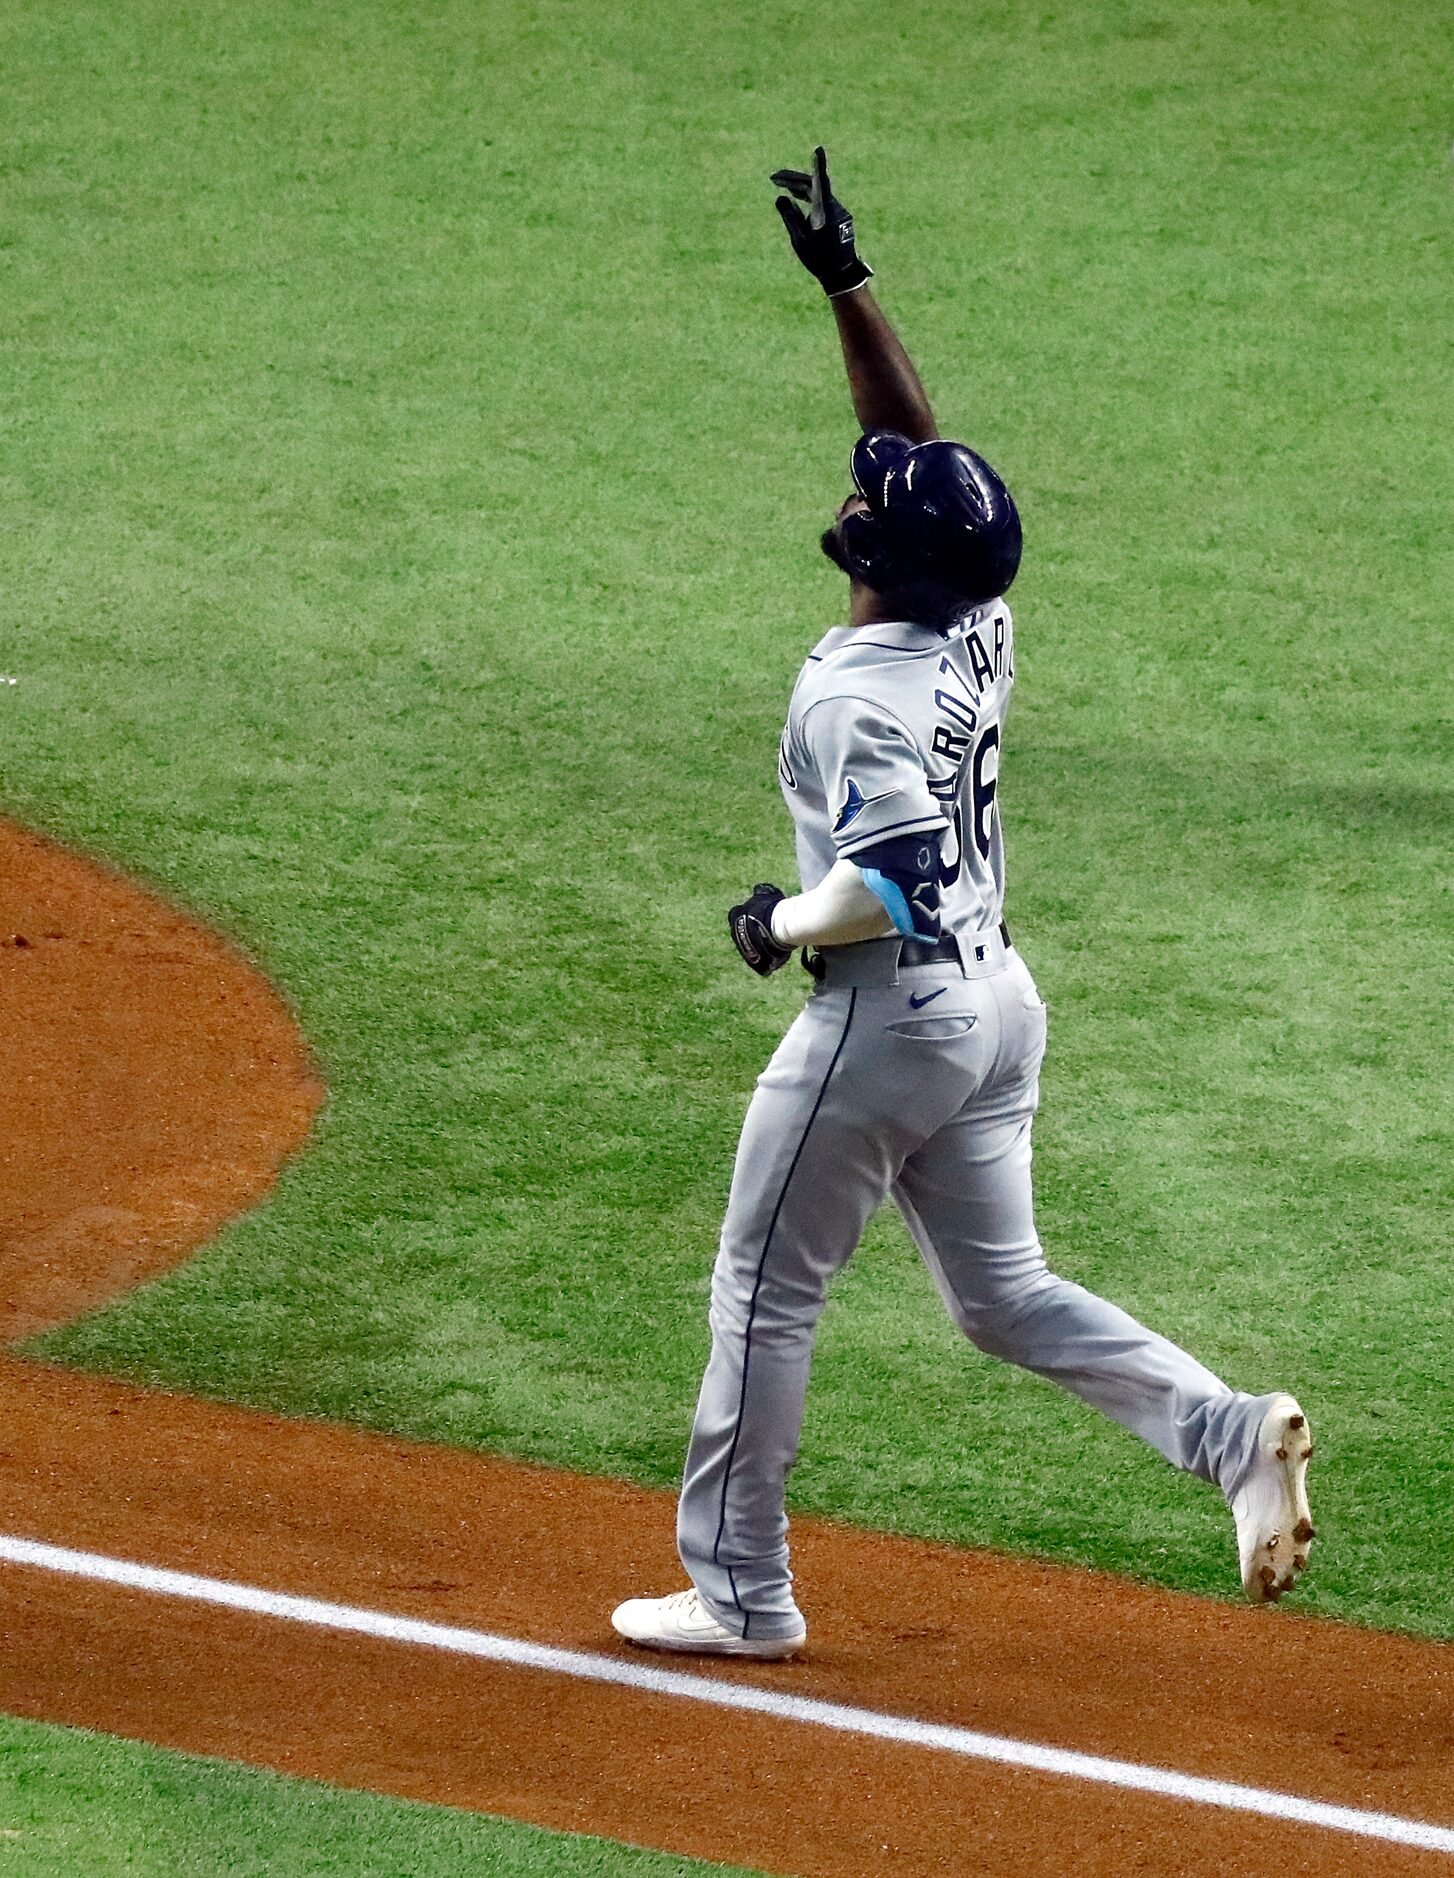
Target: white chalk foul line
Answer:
pixel 758 1701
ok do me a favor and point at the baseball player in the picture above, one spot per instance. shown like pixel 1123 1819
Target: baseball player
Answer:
pixel 913 1069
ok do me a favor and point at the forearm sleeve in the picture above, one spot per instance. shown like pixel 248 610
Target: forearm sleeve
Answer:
pixel 839 911
pixel 891 886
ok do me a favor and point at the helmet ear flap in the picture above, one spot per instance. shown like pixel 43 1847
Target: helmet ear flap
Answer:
pixel 869 557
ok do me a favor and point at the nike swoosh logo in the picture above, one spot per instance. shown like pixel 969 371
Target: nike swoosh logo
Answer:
pixel 928 998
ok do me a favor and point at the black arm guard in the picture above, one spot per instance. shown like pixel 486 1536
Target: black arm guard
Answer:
pixel 904 872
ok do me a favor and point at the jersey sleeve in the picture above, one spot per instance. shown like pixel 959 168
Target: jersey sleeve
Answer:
pixel 871 771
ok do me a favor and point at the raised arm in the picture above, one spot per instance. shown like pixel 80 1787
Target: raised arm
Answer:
pixel 887 394
pixel 886 391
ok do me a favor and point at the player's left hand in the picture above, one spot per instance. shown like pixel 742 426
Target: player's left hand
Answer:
pixel 823 238
pixel 751 927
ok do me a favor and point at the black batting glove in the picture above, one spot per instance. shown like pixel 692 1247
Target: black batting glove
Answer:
pixel 750 925
pixel 823 238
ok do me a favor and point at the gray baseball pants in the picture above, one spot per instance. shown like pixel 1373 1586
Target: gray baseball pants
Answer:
pixel 921 1082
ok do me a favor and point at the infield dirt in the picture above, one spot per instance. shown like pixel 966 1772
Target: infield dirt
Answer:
pixel 155 1081
pixel 162 1083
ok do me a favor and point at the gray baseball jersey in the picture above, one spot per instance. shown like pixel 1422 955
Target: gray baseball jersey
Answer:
pixel 897 729
pixel 912 1080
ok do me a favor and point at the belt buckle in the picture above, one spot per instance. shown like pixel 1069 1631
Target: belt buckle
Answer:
pixel 929 951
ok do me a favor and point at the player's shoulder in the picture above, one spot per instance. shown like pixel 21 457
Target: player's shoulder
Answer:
pixel 887 661
pixel 863 662
pixel 885 642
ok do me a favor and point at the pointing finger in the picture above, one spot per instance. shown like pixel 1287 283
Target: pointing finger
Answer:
pixel 817 214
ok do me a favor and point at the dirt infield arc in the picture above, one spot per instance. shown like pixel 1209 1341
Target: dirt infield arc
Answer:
pixel 156 1084
pixel 174 1108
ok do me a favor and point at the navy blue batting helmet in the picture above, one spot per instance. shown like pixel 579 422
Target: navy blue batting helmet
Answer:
pixel 938 518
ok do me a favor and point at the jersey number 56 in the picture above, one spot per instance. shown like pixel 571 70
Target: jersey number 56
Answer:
pixel 983 778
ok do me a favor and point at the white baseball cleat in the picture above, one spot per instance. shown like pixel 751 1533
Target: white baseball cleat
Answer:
pixel 681 1622
pixel 1274 1528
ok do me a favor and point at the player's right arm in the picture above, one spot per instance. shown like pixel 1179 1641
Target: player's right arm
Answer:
pixel 887 832
pixel 890 887
pixel 887 391
pixel 887 828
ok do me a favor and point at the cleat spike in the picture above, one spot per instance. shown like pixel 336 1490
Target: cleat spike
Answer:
pixel 1296 1421
pixel 1303 1531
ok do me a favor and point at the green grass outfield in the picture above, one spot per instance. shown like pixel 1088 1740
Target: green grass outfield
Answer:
pixel 415 437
